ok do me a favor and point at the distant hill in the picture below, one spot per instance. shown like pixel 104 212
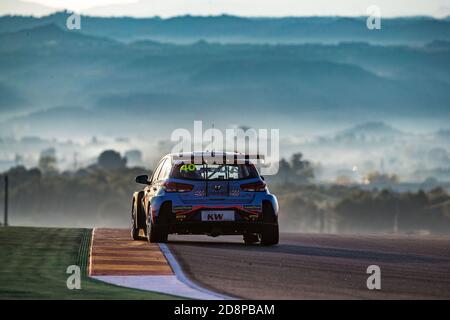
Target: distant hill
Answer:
pixel 47 35
pixel 9 99
pixel 231 29
pixel 439 45
pixel 139 83
pixel 372 129
pixel 366 134
pixel 24 8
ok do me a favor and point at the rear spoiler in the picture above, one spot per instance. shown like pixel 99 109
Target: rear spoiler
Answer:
pixel 221 158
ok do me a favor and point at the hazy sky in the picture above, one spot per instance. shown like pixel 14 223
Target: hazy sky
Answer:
pixel 166 8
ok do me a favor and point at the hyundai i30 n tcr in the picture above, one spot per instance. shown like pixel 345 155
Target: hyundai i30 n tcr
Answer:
pixel 205 193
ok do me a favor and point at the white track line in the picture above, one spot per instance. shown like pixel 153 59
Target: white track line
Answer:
pixel 184 279
pixel 160 284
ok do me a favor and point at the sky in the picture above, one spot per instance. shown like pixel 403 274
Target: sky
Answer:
pixel 270 8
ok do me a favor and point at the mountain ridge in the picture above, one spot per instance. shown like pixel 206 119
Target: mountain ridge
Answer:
pixel 51 66
pixel 236 29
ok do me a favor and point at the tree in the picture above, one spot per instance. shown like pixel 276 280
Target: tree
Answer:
pixel 379 178
pixel 302 169
pixel 47 164
pixel 284 171
pixel 111 160
pixel 296 171
pixel 47 161
pixel 134 158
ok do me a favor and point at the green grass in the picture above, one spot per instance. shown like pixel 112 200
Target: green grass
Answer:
pixel 33 263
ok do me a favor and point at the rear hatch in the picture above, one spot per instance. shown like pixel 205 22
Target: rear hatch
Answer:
pixel 215 183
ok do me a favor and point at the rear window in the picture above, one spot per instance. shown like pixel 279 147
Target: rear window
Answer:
pixel 213 171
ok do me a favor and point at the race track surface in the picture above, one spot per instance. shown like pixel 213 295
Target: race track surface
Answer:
pixel 306 266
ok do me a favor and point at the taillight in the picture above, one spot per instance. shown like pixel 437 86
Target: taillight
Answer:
pixel 254 187
pixel 177 187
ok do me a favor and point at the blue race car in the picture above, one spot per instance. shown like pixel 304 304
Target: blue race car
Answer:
pixel 193 193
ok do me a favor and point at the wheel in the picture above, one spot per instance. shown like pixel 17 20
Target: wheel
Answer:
pixel 250 238
pixel 134 228
pixel 158 232
pixel 137 216
pixel 270 235
pixel 270 230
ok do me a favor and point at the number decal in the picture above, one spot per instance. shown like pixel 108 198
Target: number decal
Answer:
pixel 188 167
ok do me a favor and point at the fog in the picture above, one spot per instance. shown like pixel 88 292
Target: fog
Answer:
pixel 367 111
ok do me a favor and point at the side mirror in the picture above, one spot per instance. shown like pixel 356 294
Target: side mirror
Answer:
pixel 142 179
pixel 262 178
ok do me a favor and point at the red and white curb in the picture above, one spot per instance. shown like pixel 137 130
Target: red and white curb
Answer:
pixel 116 260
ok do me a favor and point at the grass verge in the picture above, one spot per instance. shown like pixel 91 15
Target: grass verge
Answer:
pixel 33 264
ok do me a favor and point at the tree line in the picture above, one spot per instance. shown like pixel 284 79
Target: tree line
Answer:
pixel 100 195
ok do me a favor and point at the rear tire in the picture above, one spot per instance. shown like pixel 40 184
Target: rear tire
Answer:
pixel 270 232
pixel 134 228
pixel 158 232
pixel 137 216
pixel 155 234
pixel 270 235
pixel 135 234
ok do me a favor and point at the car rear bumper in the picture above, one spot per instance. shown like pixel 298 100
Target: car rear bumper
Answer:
pixel 181 207
pixel 217 228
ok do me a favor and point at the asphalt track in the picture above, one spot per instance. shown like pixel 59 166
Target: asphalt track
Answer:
pixel 315 266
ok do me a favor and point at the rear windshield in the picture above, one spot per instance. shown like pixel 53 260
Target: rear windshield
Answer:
pixel 214 171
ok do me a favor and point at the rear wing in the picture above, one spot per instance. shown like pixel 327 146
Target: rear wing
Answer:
pixel 218 158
